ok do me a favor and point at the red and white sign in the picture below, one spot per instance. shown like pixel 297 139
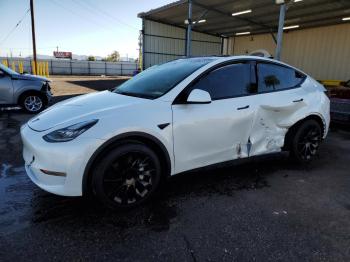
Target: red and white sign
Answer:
pixel 62 54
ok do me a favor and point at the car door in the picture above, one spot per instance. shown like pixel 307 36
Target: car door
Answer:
pixel 205 134
pixel 6 88
pixel 280 98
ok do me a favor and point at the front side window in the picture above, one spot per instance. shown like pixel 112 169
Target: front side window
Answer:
pixel 227 81
pixel 158 80
pixel 273 77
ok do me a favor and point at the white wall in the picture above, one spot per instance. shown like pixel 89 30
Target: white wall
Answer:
pixel 322 52
pixel 162 43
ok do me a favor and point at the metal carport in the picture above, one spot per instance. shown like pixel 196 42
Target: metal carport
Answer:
pixel 216 26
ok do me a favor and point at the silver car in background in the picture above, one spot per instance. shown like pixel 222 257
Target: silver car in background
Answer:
pixel 30 92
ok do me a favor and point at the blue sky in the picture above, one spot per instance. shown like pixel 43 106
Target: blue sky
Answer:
pixel 84 27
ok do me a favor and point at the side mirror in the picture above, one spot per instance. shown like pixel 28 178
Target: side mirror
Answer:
pixel 198 96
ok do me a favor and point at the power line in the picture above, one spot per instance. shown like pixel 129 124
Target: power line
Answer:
pixel 78 14
pixel 95 8
pixel 27 48
pixel 15 27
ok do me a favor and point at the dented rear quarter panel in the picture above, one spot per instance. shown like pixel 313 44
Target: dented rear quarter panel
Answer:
pixel 276 112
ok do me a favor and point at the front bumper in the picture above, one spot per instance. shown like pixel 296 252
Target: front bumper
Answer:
pixel 69 158
pixel 46 90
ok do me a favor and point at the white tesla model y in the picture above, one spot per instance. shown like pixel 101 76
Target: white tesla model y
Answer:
pixel 178 116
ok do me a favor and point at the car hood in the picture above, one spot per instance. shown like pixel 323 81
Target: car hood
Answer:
pixel 81 108
pixel 30 77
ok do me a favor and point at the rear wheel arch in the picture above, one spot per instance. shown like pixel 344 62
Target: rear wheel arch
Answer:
pixel 292 130
pixel 132 137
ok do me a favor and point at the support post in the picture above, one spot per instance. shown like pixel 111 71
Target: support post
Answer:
pixel 189 29
pixel 143 44
pixel 280 32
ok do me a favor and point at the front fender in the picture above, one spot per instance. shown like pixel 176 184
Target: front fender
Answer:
pixel 21 86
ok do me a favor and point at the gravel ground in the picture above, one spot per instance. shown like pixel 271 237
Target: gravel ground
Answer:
pixel 72 85
pixel 266 209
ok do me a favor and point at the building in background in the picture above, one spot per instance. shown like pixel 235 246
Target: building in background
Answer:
pixel 316 35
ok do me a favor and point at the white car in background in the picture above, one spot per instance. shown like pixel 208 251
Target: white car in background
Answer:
pixel 171 118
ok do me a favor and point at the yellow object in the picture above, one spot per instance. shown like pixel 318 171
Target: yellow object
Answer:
pixel 44 68
pixel 4 62
pixel 33 68
pixel 13 66
pixel 47 69
pixel 40 68
pixel 20 68
pixel 331 82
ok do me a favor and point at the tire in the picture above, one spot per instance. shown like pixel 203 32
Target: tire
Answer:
pixel 306 141
pixel 33 103
pixel 127 176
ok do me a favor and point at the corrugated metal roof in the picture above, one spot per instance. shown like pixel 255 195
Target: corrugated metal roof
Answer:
pixel 262 19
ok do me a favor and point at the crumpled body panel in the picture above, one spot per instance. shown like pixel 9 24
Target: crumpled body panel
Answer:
pixel 272 125
pixel 276 112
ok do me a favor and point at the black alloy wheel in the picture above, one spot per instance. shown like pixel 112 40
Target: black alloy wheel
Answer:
pixel 306 141
pixel 128 176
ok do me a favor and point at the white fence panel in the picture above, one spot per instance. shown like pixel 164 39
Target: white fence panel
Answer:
pixel 77 67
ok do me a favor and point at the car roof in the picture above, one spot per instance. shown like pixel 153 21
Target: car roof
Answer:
pixel 219 59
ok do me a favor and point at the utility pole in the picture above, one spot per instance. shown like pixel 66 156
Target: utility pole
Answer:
pixel 33 32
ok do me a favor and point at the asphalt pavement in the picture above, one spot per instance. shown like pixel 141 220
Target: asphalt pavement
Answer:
pixel 265 209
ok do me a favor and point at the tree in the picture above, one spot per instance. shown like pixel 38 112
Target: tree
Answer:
pixel 114 57
pixel 91 58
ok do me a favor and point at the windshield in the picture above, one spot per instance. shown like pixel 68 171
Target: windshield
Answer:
pixel 7 70
pixel 158 80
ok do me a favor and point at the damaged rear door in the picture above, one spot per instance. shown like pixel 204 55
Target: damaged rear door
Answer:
pixel 281 99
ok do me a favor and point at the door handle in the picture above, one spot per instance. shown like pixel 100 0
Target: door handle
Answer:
pixel 244 107
pixel 299 100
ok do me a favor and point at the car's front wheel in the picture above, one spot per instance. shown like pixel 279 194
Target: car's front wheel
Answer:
pixel 306 141
pixel 127 176
pixel 33 103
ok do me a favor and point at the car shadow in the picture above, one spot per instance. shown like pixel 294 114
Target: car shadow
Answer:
pixel 157 215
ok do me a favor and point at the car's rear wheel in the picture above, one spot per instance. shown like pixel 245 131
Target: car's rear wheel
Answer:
pixel 127 176
pixel 306 141
pixel 33 103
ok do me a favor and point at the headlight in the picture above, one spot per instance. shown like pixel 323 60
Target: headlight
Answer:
pixel 70 132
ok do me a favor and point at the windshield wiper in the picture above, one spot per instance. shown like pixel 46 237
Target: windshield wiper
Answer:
pixel 133 94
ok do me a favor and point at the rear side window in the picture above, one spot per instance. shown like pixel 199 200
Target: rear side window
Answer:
pixel 273 77
pixel 227 81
